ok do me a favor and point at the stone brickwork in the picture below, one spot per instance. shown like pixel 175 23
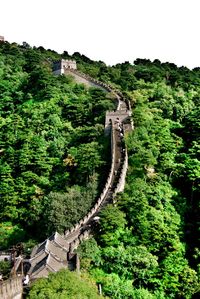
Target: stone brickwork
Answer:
pixel 117 123
pixel 79 79
pixel 119 165
pixel 61 66
pixel 118 116
pixel 11 288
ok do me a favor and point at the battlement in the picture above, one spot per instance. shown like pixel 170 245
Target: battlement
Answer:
pixel 118 116
pixel 59 67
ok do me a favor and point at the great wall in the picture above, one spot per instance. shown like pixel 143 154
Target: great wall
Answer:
pixel 11 288
pixel 58 251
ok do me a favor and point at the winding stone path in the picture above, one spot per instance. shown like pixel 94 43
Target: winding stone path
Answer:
pixel 117 123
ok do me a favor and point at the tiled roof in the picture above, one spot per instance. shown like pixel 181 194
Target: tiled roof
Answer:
pixel 59 240
pixel 54 264
pixel 48 256
pixel 48 264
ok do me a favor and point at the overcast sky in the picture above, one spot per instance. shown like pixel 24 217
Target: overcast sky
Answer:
pixel 113 31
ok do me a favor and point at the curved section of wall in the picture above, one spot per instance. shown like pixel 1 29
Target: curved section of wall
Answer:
pixel 102 196
pixel 121 182
pixel 79 76
pixel 122 113
pixel 83 228
pixel 117 122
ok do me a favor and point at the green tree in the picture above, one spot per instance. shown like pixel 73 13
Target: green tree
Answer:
pixel 64 284
pixel 112 225
pixel 10 234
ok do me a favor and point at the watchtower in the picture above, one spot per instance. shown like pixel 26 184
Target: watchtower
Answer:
pixel 118 117
pixel 2 38
pixel 61 66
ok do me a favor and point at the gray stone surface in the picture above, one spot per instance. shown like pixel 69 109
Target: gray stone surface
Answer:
pixel 11 288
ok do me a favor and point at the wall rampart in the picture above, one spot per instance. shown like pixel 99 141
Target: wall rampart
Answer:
pixel 11 288
pixel 119 161
pixel 105 86
pixel 101 198
pixel 121 183
pixel 58 72
pixel 85 234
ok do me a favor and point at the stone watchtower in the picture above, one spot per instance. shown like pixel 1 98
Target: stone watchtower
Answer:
pixel 118 116
pixel 2 38
pixel 60 67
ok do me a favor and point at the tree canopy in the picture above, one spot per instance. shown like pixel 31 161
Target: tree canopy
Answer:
pixel 64 285
pixel 54 160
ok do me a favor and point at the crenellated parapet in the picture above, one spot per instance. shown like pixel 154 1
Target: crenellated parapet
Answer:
pixel 61 66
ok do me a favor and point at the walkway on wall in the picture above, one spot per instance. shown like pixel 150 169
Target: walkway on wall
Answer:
pixel 50 255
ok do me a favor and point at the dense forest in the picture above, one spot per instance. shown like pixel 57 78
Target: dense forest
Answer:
pixel 54 159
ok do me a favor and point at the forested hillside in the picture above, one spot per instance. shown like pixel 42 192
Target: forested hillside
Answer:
pixel 54 158
pixel 52 145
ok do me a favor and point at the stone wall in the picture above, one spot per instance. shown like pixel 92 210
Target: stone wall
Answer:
pixel 96 207
pixel 118 115
pixel 60 66
pixel 123 115
pixel 122 176
pixel 85 234
pixel 87 80
pixel 79 79
pixel 68 64
pixel 11 288
pixel 58 72
pixel 117 122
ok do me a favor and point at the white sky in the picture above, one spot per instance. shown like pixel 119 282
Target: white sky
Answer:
pixel 113 31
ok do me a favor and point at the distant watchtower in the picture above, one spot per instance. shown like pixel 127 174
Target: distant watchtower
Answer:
pixel 60 67
pixel 2 38
pixel 118 116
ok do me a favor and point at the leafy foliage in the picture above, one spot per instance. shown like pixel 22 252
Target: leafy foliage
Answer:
pixel 53 158
pixel 5 267
pixel 10 234
pixel 44 144
pixel 64 284
pixel 155 254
